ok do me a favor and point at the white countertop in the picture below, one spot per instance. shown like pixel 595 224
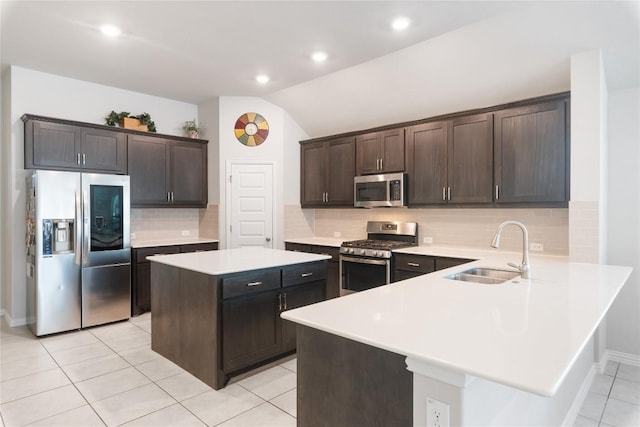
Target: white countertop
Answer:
pixel 320 241
pixel 236 260
pixel 170 242
pixel 525 335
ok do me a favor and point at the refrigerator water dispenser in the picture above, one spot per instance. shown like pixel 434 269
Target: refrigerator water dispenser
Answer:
pixel 62 236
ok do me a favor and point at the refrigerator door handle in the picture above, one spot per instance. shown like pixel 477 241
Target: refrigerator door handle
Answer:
pixel 86 228
pixel 78 229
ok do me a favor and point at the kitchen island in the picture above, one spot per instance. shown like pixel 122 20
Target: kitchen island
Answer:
pixel 216 313
pixel 508 354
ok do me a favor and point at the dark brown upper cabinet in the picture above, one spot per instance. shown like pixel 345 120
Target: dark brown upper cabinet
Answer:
pixel 451 161
pixel 532 154
pixel 470 160
pixel 65 146
pixel 427 163
pixel 327 171
pixel 167 173
pixel 380 152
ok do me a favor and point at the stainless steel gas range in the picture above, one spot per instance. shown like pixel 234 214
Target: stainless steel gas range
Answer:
pixel 368 263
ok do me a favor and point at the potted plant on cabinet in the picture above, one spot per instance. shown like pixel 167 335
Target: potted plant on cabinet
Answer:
pixel 191 128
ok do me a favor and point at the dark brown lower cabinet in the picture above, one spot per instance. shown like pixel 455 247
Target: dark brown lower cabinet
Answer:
pixel 236 316
pixel 407 266
pixel 141 271
pixel 333 266
pixel 250 331
pixel 346 383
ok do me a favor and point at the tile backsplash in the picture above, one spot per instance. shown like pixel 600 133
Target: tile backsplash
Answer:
pixel 465 227
pixel 161 224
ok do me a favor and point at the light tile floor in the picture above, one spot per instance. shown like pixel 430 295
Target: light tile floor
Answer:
pixel 614 398
pixel 110 376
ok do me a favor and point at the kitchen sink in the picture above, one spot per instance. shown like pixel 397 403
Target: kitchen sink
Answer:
pixel 484 275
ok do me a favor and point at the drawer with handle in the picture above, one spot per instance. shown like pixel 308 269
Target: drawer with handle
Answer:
pixel 415 263
pixel 248 283
pixel 304 273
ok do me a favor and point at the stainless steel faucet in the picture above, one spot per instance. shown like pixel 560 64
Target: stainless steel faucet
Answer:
pixel 525 267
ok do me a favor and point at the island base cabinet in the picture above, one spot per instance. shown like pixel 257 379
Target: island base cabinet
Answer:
pixel 185 319
pixel 250 331
pixel 345 383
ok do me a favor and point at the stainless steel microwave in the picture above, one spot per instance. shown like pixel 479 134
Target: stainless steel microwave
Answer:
pixel 384 190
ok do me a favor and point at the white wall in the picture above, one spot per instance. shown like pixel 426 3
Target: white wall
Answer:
pixel 293 134
pixel 232 151
pixel 209 119
pixel 54 96
pixel 623 222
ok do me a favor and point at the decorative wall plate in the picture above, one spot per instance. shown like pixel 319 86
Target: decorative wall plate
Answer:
pixel 251 129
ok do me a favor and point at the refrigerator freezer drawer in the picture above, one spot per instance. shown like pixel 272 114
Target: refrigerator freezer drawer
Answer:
pixel 106 294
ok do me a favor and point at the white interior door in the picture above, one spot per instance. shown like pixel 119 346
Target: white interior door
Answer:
pixel 251 196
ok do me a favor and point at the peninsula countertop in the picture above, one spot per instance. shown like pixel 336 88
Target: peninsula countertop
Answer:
pixel 524 333
pixel 228 261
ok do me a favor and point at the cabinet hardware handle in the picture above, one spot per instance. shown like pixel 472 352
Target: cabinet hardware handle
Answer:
pixel 497 193
pixel 254 283
pixel 413 264
pixel 327 197
pixel 285 300
pixel 377 164
pixel 168 196
pixel 444 194
pixel 84 158
pixel 172 196
pixel 448 193
pixel 306 274
pixel 280 302
pixel 381 164
pixel 78 159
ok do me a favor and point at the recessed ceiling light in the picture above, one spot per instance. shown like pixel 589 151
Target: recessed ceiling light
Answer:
pixel 400 24
pixel 110 30
pixel 262 78
pixel 319 56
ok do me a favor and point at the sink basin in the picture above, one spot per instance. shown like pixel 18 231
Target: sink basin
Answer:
pixel 484 275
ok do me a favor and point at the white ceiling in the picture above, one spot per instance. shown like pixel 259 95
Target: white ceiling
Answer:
pixel 195 50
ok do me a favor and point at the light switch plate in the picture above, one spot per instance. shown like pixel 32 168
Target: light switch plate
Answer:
pixel 337 234
pixel 539 247
pixel 185 233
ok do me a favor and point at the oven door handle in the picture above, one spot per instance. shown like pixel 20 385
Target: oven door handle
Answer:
pixel 364 260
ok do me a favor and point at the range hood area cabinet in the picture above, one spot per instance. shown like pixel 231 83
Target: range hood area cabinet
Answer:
pixel 451 161
pixel 380 152
pixel 167 173
pixel 514 154
pixel 67 146
pixel 327 172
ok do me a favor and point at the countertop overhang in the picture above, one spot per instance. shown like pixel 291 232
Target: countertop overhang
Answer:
pixel 524 334
pixel 227 261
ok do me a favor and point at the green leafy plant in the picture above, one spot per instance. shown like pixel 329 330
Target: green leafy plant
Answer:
pixel 190 125
pixel 114 119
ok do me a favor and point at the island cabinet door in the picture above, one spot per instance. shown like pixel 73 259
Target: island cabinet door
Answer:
pixel 250 329
pixel 294 297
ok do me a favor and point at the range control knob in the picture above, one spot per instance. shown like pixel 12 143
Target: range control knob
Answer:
pixel 350 250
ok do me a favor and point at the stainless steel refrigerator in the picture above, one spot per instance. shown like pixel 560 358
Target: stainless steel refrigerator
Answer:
pixel 78 250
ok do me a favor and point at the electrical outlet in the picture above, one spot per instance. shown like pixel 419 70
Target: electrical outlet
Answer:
pixel 536 247
pixel 133 236
pixel 437 413
pixel 337 234
pixel 427 240
pixel 185 233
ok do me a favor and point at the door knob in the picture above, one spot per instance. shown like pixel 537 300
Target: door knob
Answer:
pixel 268 239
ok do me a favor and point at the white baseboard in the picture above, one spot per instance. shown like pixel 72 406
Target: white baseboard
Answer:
pixel 570 418
pixel 11 322
pixel 626 358
pixel 597 368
